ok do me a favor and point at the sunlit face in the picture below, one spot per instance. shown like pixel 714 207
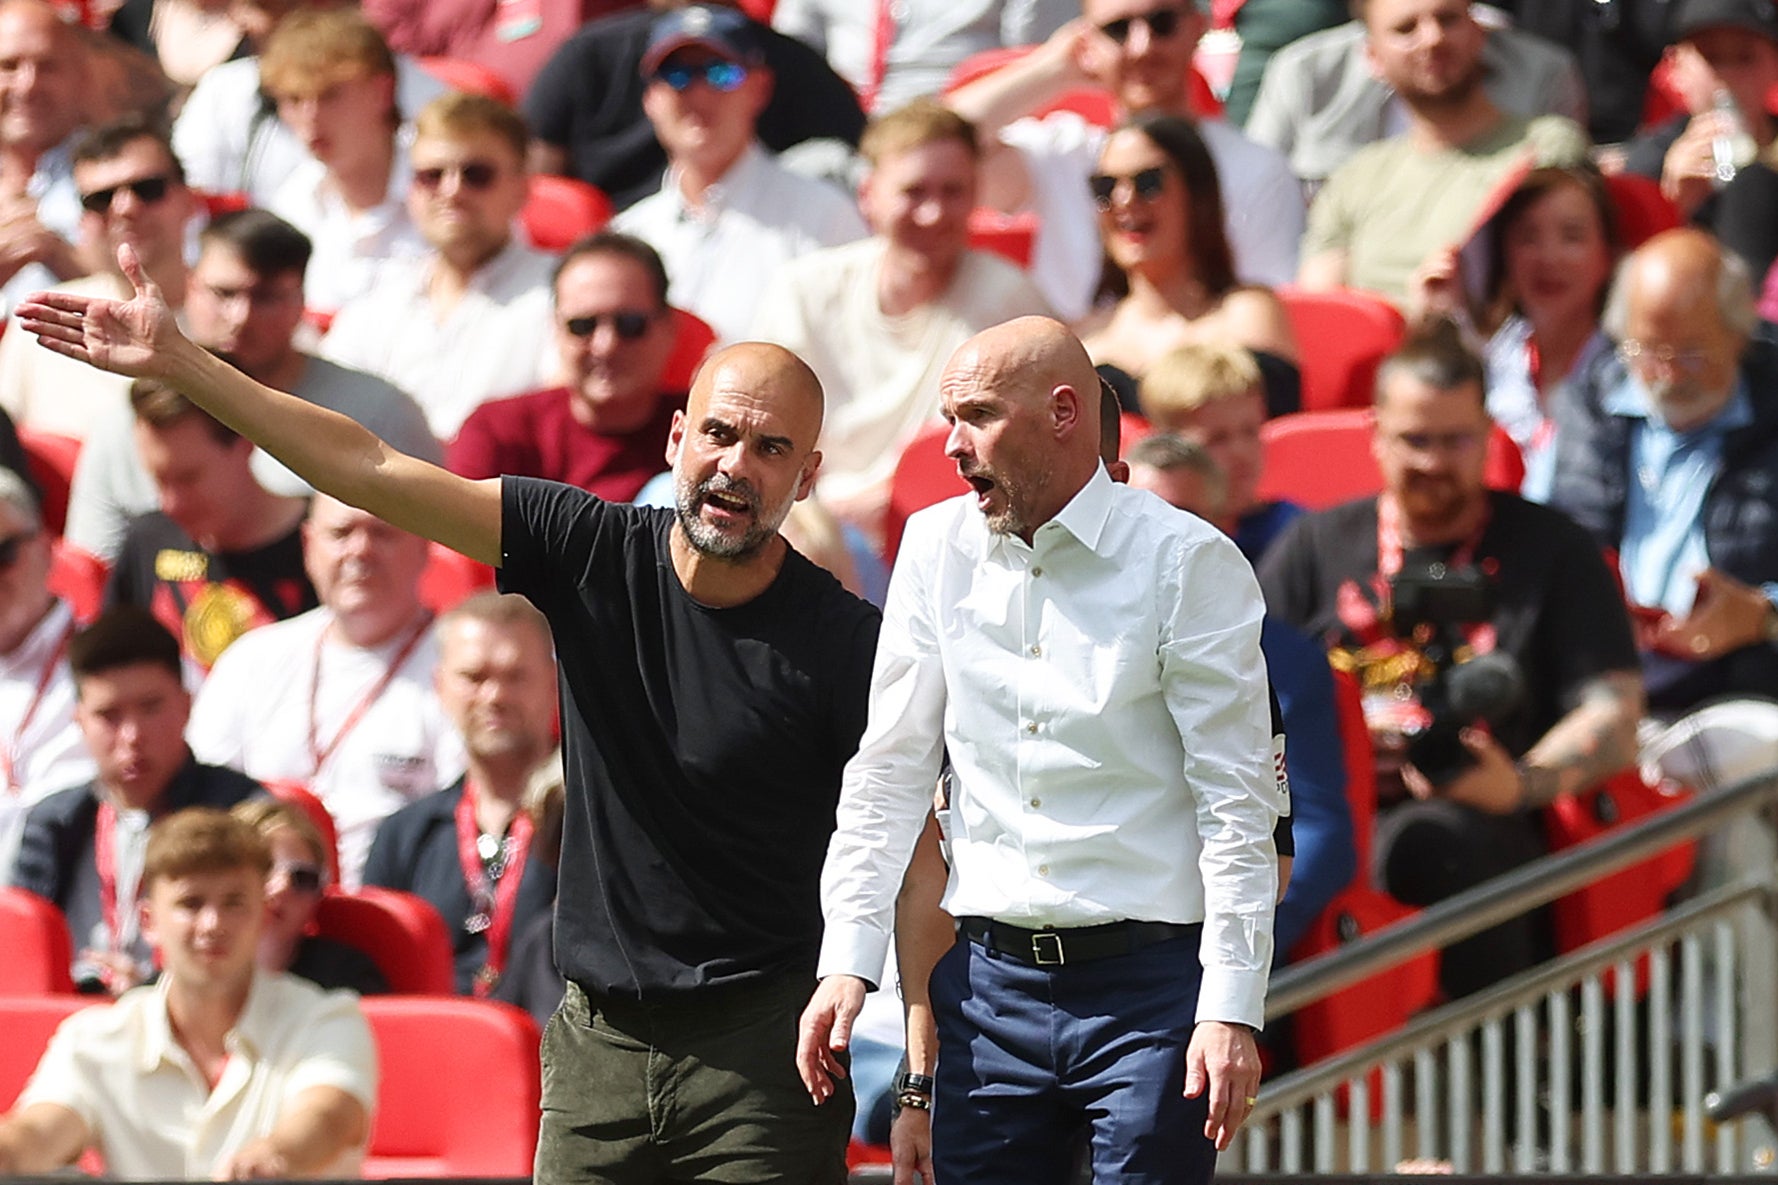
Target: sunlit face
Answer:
pixel 1141 50
pixel 1228 429
pixel 1744 64
pixel 742 454
pixel 1682 352
pixel 1429 51
pixel 251 317
pixel 202 482
pixel 1557 259
pixel 497 683
pixel 41 76
pixel 701 123
pixel 153 225
pixel 1143 227
pixel 1432 446
pixel 24 574
pixel 467 190
pixel 341 118
pixel 292 889
pixel 133 721
pixel 206 925
pixel 359 563
pixel 614 337
pixel 999 441
pixel 920 198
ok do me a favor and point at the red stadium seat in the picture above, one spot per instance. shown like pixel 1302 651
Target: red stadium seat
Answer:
pixel 38 947
pixel 51 459
pixel 1093 104
pixel 759 10
pixel 402 934
pixel 1342 336
pixel 560 210
pixel 303 799
pixel 29 1022
pixel 1322 458
pixel 693 341
pixel 459 1091
pixel 1009 236
pixel 470 77
pixel 449 577
pixel 1643 211
pixel 78 578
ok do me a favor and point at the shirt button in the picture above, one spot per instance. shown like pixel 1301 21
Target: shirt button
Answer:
pixel 1043 870
pixel 1037 571
pixel 1036 651
pixel 1031 726
pixel 1037 802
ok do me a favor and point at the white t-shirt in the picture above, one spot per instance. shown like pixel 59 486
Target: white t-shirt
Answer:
pixel 496 342
pixel 351 249
pixel 254 713
pixel 49 754
pixel 880 373
pixel 151 1113
pixel 756 219
pixel 1261 198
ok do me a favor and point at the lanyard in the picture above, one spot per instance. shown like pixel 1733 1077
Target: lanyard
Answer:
pixel 9 756
pixel 112 909
pixel 882 36
pixel 319 754
pixel 1389 548
pixel 493 899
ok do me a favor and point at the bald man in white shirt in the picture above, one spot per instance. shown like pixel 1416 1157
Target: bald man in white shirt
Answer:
pixel 1090 662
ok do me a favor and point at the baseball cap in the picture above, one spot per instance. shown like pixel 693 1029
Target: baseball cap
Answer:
pixel 1752 16
pixel 723 31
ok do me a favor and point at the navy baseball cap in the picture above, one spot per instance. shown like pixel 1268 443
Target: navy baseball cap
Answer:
pixel 1751 16
pixel 725 32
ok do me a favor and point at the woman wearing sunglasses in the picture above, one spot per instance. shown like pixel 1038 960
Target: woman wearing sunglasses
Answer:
pixel 1169 275
pixel 292 895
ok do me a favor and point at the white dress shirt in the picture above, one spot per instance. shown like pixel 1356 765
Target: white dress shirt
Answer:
pixel 756 219
pixel 1103 700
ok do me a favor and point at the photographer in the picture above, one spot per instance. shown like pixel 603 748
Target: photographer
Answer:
pixel 1491 575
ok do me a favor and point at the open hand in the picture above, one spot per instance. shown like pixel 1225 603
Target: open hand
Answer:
pixel 825 1030
pixel 134 337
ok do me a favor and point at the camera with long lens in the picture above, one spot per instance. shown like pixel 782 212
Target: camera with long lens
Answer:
pixel 1433 604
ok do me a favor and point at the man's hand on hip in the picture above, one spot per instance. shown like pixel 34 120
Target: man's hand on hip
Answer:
pixel 1223 1059
pixel 826 1028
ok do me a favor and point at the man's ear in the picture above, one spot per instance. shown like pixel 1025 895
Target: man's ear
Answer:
pixel 805 484
pixel 1065 409
pixel 675 439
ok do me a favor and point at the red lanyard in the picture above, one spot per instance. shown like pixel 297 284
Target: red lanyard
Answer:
pixel 882 36
pixel 317 753
pixel 105 861
pixel 9 756
pixel 495 905
pixel 1389 549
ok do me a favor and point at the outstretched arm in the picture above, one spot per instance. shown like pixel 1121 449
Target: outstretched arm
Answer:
pixel 332 452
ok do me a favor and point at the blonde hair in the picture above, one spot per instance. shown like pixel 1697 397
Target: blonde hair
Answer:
pixel 268 815
pixel 202 839
pixel 313 48
pixel 457 114
pixel 1185 379
pixel 915 125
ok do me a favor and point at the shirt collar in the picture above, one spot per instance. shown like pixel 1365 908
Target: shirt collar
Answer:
pixel 1631 400
pixel 739 179
pixel 1084 517
pixel 158 1045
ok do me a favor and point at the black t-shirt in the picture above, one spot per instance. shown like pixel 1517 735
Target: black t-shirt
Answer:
pixel 1558 610
pixel 208 599
pixel 588 100
pixel 703 747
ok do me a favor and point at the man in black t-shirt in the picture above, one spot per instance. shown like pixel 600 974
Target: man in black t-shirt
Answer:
pixel 714 683
pixel 1556 612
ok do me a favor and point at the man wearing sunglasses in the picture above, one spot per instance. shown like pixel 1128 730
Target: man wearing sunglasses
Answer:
pixel 1141 52
pixel 470 321
pixel 131 190
pixel 1674 471
pixel 605 428
pixel 728 214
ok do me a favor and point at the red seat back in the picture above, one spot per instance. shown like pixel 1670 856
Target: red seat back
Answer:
pixel 1343 335
pixel 1361 768
pixel 1094 104
pixel 459 1090
pixel 473 78
pixel 560 210
pixel 692 341
pixel 28 1023
pixel 1009 236
pixel 39 949
pixel 51 459
pixel 78 578
pixel 303 799
pixel 1642 210
pixel 402 934
pixel 1319 459
pixel 449 577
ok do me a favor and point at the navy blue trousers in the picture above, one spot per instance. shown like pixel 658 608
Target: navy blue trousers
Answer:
pixel 1033 1058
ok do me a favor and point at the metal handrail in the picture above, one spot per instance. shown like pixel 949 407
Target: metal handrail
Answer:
pixel 1511 894
pixel 1300 1086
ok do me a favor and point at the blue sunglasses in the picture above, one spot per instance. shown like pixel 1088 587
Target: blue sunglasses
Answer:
pixel 720 76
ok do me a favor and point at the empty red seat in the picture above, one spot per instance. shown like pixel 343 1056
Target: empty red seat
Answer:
pixel 1642 210
pixel 29 1022
pixel 38 948
pixel 1342 336
pixel 560 210
pixel 1009 236
pixel 51 459
pixel 473 78
pixel 402 934
pixel 459 1090
pixel 1319 459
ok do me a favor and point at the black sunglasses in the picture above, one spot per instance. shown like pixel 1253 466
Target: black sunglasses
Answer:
pixel 629 324
pixel 476 174
pixel 1162 23
pixel 148 190
pixel 10 547
pixel 304 878
pixel 1146 185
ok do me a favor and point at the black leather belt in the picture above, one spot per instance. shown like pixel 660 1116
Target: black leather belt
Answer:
pixel 1079 944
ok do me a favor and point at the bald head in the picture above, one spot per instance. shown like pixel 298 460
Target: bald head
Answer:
pixel 1683 310
pixel 1024 403
pixel 768 374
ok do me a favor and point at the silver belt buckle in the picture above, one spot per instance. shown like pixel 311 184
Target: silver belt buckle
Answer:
pixel 1046 949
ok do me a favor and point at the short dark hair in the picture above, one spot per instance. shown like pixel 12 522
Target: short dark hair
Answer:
pixel 265 242
pixel 622 246
pixel 123 636
pixel 1111 425
pixel 160 406
pixel 105 141
pixel 1435 354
